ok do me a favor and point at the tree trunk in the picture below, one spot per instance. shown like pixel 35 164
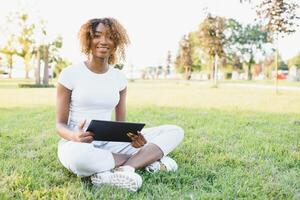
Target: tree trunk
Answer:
pixel 38 69
pixel 276 67
pixel 10 65
pixel 187 72
pixel 216 71
pixel 212 64
pixel 27 65
pixel 46 67
pixel 249 74
pixel 10 72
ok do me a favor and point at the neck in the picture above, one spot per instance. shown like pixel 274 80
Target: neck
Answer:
pixel 98 65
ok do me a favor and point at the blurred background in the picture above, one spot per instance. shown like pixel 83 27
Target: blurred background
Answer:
pixel 196 40
pixel 227 72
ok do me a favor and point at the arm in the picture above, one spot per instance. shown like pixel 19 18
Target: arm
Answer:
pixel 63 99
pixel 120 109
pixel 137 140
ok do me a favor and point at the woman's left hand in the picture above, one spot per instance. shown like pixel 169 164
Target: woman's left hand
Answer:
pixel 138 140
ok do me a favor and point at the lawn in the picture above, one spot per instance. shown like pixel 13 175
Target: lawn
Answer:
pixel 239 144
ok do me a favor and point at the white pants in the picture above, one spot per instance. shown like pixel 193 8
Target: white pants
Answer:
pixel 85 159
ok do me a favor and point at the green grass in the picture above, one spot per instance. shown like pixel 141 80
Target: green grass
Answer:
pixel 236 146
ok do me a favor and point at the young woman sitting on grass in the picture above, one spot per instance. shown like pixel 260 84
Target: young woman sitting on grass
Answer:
pixel 92 89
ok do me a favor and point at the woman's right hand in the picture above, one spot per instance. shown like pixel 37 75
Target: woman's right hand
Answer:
pixel 82 136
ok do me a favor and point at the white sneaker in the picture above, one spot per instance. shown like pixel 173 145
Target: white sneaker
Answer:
pixel 120 177
pixel 164 164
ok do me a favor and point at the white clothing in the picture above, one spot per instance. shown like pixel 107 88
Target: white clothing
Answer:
pixel 85 159
pixel 94 96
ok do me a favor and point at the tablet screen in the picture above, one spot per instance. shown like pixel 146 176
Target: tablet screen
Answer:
pixel 113 130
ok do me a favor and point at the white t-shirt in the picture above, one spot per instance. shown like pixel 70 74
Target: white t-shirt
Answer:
pixel 94 96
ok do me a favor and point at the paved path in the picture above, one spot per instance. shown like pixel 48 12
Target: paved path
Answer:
pixel 245 85
pixel 261 86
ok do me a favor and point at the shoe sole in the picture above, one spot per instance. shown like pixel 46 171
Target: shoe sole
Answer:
pixel 126 181
pixel 131 182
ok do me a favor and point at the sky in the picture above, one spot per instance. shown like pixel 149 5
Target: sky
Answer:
pixel 154 27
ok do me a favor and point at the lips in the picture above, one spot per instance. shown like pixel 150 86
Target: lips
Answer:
pixel 102 49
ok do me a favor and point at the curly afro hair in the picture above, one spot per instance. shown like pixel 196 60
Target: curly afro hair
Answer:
pixel 118 32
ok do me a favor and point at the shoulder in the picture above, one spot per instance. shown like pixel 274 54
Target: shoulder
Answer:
pixel 68 75
pixel 74 68
pixel 118 72
pixel 120 77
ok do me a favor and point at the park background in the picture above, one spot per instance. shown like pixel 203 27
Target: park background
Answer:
pixel 226 72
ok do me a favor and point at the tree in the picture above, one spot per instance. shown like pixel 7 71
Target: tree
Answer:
pixel 279 17
pixel 60 64
pixel 294 61
pixel 183 61
pixel 211 38
pixel 245 42
pixel 268 63
pixel 168 64
pixel 46 51
pixel 25 39
pixel 9 50
pixel 49 54
pixel 196 51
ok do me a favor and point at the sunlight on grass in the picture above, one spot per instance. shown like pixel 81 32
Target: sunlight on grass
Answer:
pixel 225 155
pixel 174 94
pixel 239 144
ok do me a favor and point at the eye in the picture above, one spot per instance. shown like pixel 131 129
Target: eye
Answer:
pixel 96 35
pixel 110 37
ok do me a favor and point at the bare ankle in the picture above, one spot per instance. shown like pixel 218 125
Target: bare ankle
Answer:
pixel 120 159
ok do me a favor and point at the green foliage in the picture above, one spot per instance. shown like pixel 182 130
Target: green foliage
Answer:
pixel 25 39
pixel 279 17
pixel 9 50
pixel 245 42
pixel 184 60
pixel 60 64
pixel 211 40
pixel 119 66
pixel 211 35
pixel 294 61
pixel 196 51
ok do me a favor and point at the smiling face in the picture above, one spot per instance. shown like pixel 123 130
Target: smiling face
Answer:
pixel 103 38
pixel 102 44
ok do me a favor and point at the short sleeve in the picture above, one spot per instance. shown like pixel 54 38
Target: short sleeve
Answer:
pixel 122 80
pixel 66 78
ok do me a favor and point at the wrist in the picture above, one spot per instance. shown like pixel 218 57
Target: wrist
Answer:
pixel 73 137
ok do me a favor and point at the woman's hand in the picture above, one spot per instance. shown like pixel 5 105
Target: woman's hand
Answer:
pixel 138 140
pixel 82 136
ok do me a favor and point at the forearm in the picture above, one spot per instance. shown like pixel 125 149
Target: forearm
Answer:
pixel 64 132
pixel 120 114
pixel 120 109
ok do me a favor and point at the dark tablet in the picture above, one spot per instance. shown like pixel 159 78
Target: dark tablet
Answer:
pixel 113 130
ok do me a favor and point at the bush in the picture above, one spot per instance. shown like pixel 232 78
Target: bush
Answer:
pixel 228 75
pixel 35 86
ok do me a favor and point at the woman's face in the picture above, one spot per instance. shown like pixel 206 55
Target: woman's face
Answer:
pixel 102 45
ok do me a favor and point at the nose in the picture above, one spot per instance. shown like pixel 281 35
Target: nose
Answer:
pixel 103 40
